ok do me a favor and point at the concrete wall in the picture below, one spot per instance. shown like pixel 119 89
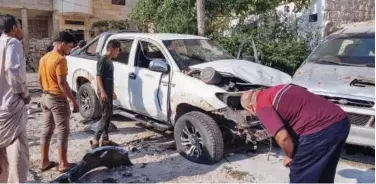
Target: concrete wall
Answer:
pixel 105 10
pixel 348 11
pixel 29 4
pixel 45 18
pixel 74 6
pixel 38 28
pixel 37 48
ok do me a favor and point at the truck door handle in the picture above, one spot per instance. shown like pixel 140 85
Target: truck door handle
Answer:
pixel 132 75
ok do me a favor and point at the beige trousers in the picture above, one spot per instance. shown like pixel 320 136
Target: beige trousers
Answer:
pixel 14 160
pixel 57 113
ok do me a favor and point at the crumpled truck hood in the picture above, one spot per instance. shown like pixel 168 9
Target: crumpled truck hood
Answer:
pixel 248 71
pixel 334 79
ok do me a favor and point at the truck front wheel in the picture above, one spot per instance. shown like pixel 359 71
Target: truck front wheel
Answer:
pixel 198 138
pixel 88 102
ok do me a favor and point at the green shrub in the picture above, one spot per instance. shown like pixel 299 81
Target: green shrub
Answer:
pixel 278 43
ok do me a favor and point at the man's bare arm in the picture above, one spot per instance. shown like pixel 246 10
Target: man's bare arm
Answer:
pixel 100 84
pixel 63 85
pixel 284 140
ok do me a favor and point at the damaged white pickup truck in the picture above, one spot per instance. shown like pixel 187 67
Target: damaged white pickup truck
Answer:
pixel 181 82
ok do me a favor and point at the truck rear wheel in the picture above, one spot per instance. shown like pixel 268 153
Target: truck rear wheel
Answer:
pixel 198 138
pixel 88 102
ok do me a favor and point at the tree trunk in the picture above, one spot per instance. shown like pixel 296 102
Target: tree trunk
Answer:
pixel 200 5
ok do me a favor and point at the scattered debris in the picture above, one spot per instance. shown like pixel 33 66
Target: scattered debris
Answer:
pixel 143 165
pixel 230 154
pixel 239 175
pixel 86 121
pixel 92 127
pixel 109 180
pixel 35 175
pixel 35 103
pixel 33 110
pixel 133 149
pixel 107 156
pixel 127 174
pixel 139 180
pixel 35 91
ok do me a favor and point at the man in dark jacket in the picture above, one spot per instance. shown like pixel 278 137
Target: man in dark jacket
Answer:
pixel 309 129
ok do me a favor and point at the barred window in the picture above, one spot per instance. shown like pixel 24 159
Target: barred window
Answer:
pixel 118 2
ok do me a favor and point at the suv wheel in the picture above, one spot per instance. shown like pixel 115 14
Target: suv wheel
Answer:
pixel 198 138
pixel 88 102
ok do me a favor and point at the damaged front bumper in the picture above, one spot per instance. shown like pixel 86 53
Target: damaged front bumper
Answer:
pixel 243 124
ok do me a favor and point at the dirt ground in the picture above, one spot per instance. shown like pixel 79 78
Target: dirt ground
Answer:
pixel 155 159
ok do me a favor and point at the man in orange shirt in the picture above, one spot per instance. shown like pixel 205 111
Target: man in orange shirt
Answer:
pixel 52 78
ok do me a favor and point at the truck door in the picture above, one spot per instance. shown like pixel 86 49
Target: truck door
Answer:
pixel 121 70
pixel 148 89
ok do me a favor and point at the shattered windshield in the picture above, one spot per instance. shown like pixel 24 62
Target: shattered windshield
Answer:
pixel 189 52
pixel 354 51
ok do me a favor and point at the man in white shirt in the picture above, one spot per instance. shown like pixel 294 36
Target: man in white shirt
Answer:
pixel 14 95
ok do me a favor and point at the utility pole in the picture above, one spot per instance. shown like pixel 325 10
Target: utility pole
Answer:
pixel 200 6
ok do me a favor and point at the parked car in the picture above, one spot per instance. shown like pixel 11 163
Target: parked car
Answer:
pixel 342 70
pixel 184 82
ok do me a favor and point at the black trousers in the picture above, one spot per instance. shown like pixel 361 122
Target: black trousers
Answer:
pixel 107 109
pixel 317 155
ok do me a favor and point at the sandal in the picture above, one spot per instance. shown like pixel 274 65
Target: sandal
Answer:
pixel 109 143
pixel 71 165
pixel 50 166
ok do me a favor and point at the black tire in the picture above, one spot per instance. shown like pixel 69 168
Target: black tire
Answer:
pixel 88 102
pixel 211 141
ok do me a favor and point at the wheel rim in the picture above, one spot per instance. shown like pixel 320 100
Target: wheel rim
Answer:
pixel 192 141
pixel 85 101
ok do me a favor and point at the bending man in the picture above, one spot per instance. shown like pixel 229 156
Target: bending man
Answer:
pixel 310 129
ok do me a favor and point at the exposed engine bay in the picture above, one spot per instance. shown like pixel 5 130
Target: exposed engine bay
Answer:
pixel 246 125
pixel 223 80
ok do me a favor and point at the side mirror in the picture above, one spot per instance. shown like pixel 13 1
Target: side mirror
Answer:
pixel 158 65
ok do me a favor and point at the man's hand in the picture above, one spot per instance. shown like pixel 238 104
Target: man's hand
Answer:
pixel 26 99
pixel 286 161
pixel 114 97
pixel 75 106
pixel 104 97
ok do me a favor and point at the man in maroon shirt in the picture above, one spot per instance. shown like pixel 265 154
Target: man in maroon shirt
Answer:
pixel 310 129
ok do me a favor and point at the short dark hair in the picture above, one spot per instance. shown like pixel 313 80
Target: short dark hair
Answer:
pixel 7 22
pixel 81 43
pixel 50 47
pixel 113 44
pixel 65 37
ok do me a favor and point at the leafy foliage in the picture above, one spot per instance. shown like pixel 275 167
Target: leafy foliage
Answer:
pixel 177 16
pixel 279 42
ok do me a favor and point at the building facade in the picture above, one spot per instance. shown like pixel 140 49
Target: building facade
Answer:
pixel 328 15
pixel 42 19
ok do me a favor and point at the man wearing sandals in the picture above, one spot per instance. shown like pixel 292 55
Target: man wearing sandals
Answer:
pixel 105 80
pixel 14 95
pixel 52 78
pixel 309 129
